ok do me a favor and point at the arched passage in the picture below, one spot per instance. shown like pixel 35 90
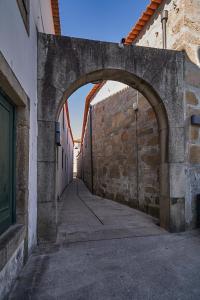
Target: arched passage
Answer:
pixel 65 64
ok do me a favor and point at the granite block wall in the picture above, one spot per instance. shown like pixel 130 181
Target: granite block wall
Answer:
pixel 125 151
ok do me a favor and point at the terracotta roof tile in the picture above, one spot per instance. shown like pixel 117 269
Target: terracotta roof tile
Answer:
pixel 88 100
pixel 56 16
pixel 150 10
pixel 68 120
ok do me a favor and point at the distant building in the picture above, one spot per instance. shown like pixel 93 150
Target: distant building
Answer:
pixel 77 148
pixel 64 152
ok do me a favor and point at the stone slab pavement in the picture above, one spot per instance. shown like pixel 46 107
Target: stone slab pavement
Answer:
pixel 105 250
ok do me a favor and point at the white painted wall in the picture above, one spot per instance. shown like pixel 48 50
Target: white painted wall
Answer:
pixel 65 164
pixel 182 28
pixel 109 89
pixel 151 35
pixel 20 51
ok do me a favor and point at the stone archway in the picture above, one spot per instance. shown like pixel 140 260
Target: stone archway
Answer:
pixel 64 65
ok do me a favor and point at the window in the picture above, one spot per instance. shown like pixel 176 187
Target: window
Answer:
pixel 24 8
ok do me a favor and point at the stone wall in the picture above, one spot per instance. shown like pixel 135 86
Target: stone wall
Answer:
pixel 182 28
pixel 192 133
pixel 125 149
pixel 183 33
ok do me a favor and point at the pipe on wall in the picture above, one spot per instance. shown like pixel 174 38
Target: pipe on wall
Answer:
pixel 135 108
pixel 91 150
pixel 82 163
pixel 164 18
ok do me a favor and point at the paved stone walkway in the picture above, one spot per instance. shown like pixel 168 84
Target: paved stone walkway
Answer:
pixel 106 250
pixel 85 217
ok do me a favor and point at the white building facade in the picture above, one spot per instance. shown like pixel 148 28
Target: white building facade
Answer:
pixel 77 149
pixel 64 152
pixel 20 21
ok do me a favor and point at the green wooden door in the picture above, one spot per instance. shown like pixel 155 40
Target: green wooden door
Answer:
pixel 6 163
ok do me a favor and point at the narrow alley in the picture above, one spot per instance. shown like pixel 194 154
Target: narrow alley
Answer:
pixel 99 150
pixel 106 250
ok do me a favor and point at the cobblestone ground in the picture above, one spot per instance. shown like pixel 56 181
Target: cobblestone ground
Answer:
pixel 105 250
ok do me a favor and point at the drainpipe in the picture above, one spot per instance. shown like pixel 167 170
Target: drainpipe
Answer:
pixel 164 18
pixel 82 167
pixel 91 154
pixel 135 108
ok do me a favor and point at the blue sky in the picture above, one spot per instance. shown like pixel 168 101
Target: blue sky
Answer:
pixel 105 20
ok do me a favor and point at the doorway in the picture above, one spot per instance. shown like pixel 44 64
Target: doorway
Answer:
pixel 7 209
